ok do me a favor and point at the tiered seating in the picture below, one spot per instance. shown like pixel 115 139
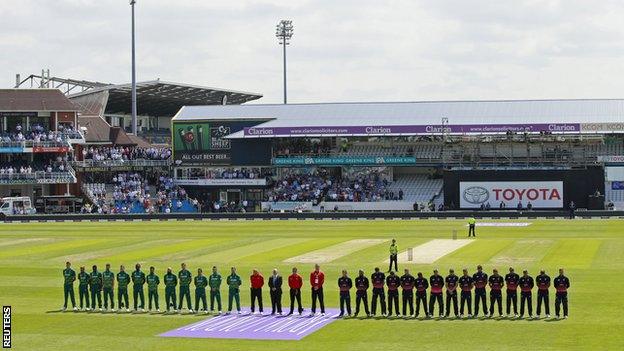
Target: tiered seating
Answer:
pixel 607 149
pixel 427 151
pixel 417 187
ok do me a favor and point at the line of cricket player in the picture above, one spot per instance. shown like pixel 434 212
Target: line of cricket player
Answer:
pixel 95 283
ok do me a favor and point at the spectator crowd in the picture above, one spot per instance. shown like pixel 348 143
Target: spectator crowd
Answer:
pixel 38 133
pixel 321 186
pixel 17 168
pixel 125 153
pixel 132 190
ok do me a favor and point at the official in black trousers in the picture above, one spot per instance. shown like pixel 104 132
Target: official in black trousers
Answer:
pixel 275 288
pixel 295 282
pixel 394 254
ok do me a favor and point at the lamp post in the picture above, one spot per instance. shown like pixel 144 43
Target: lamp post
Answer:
pixel 134 102
pixel 283 32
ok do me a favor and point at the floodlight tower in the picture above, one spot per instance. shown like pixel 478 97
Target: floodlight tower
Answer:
pixel 283 32
pixel 134 102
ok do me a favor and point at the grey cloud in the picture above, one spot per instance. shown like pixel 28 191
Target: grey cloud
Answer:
pixel 344 50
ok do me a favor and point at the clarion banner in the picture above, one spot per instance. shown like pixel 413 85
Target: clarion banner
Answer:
pixel 411 129
pixel 546 194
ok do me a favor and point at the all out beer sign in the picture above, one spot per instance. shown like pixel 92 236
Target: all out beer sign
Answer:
pixel 543 194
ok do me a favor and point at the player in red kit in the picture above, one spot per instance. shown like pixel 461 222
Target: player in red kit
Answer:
pixel 344 285
pixel 543 283
pixel 317 278
pixel 393 281
pixel 407 283
pixel 436 281
pixel 511 279
pixel 361 293
pixel 378 279
pixel 496 292
pixel 451 292
pixel 480 280
pixel 562 284
pixel 526 285
pixel 421 293
pixel 465 283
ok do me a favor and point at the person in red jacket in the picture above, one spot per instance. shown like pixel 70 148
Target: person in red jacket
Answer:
pixel 317 278
pixel 295 282
pixel 257 281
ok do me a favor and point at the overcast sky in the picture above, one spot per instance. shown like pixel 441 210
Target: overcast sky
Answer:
pixel 342 50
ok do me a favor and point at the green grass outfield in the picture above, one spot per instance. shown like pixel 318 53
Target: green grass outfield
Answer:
pixel 32 257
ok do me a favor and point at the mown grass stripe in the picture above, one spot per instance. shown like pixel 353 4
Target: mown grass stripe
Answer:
pixel 236 254
pixel 523 252
pixel 48 247
pixel 572 253
pixel 480 251
pixel 107 252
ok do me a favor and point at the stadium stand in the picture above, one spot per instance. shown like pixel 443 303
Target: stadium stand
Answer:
pixel 418 188
pixel 320 185
pixel 100 153
pixel 615 196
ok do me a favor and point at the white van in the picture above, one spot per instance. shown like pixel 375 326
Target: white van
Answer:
pixel 16 206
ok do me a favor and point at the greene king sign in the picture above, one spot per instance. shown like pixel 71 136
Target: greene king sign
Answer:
pixel 539 194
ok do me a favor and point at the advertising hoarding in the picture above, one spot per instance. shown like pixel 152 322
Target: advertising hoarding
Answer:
pixel 541 194
pixel 204 143
pixel 344 160
pixel 411 129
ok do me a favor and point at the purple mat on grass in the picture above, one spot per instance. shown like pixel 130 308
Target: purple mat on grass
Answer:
pixel 248 326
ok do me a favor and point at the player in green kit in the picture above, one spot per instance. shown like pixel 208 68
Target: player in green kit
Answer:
pixel 123 279
pixel 95 283
pixel 69 277
pixel 171 281
pixel 214 281
pixel 185 290
pixel 138 279
pixel 152 289
pixel 83 288
pixel 234 282
pixel 200 290
pixel 108 284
